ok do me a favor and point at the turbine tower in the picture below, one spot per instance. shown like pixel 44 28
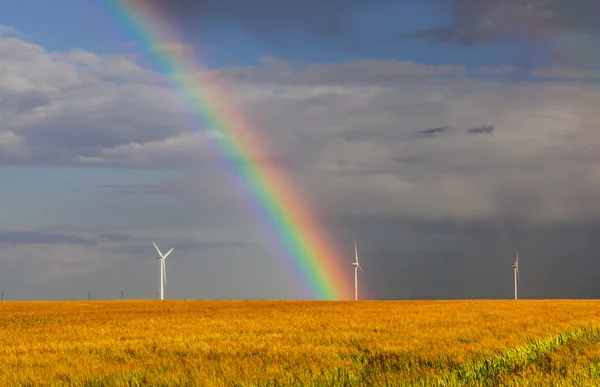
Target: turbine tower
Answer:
pixel 163 270
pixel 516 267
pixel 356 267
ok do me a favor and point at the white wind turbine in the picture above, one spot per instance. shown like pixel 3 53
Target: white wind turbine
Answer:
pixel 356 267
pixel 163 270
pixel 516 267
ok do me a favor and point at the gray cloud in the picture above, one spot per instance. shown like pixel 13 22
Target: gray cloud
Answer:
pixel 485 129
pixel 122 240
pixel 273 20
pixel 499 70
pixel 416 259
pixel 439 218
pixel 566 73
pixel 180 244
pixel 434 131
pixel 337 136
pixel 359 72
pixel 22 237
pixel 117 237
pixel 542 23
pixel 199 245
pixel 476 23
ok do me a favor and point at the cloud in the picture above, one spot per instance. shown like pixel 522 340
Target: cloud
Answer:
pixel 342 131
pixel 200 245
pixel 497 70
pixel 476 23
pixel 563 30
pixel 44 236
pixel 357 72
pixel 173 151
pixel 7 31
pixel 108 111
pixel 116 237
pixel 24 237
pixel 485 129
pixel 271 20
pixel 434 131
pixel 345 135
pixel 59 108
pixel 564 72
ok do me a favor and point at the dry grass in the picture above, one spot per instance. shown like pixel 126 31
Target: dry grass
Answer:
pixel 264 343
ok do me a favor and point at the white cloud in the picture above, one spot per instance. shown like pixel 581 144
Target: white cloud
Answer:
pixel 7 31
pixel 175 150
pixel 565 72
pixel 495 70
pixel 348 132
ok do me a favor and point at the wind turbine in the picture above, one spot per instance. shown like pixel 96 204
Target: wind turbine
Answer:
pixel 356 267
pixel 163 269
pixel 516 267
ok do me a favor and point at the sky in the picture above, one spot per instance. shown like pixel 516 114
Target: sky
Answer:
pixel 441 135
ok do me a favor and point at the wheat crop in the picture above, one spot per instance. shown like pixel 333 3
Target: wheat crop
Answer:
pixel 271 343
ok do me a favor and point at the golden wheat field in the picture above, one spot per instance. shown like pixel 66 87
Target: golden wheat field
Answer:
pixel 272 343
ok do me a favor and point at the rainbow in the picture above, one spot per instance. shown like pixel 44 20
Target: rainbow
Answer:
pixel 295 230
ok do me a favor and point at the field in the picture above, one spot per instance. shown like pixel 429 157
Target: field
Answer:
pixel 269 343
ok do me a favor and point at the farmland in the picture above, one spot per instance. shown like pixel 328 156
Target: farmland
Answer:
pixel 268 343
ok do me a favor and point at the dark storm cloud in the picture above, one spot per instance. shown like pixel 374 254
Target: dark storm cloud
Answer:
pixel 270 19
pixel 528 21
pixel 39 237
pixel 415 259
pixel 478 22
pixel 433 131
pixel 485 129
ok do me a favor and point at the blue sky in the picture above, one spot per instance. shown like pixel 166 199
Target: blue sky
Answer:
pixel 88 25
pixel 429 131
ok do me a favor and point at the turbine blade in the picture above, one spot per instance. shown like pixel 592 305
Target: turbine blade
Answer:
pixel 159 253
pixel 517 261
pixel 355 252
pixel 360 268
pixel 167 254
pixel 164 271
pixel 518 276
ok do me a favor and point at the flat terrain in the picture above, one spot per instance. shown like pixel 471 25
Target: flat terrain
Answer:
pixel 268 343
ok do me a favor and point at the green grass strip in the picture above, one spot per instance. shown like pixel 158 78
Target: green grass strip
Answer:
pixel 489 372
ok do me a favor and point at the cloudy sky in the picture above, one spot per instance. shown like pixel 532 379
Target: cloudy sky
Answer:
pixel 441 135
